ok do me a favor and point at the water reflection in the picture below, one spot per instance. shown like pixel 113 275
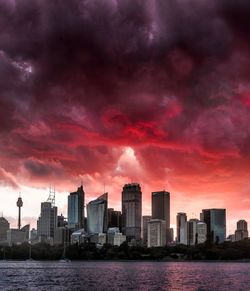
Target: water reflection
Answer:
pixel 124 276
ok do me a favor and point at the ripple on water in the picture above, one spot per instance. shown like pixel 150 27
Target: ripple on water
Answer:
pixel 186 276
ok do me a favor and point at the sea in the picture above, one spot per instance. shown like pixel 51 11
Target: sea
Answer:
pixel 109 275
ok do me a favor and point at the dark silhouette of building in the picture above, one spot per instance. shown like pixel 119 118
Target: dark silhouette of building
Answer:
pixel 114 218
pixel 97 212
pixel 61 222
pixel 215 220
pixel 132 211
pixel 161 209
pixel 76 219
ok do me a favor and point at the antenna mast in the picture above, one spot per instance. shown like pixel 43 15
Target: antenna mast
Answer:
pixel 52 196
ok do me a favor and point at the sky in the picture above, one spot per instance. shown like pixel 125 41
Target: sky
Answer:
pixel 108 92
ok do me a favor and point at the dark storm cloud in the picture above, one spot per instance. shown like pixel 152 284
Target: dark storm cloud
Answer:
pixel 79 74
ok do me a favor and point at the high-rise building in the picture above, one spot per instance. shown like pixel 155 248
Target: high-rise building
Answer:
pixel 181 228
pixel 145 221
pixel 196 232
pixel 114 218
pixel 191 231
pixel 132 211
pixel 161 209
pixel 161 206
pixel 156 233
pixel 98 215
pixel 215 220
pixel 241 231
pixel 47 222
pixel 76 209
pixel 201 230
pixel 4 226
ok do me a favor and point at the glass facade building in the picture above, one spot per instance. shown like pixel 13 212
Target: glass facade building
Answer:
pixel 181 223
pixel 98 215
pixel 215 220
pixel 76 208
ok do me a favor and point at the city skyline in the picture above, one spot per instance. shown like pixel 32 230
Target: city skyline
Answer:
pixel 106 92
pixel 197 216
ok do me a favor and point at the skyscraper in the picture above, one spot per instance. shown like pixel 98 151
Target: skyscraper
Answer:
pixel 47 222
pixel 201 230
pixel 181 225
pixel 98 215
pixel 215 220
pixel 241 231
pixel 161 206
pixel 161 209
pixel 191 231
pixel 76 208
pixel 132 211
pixel 196 232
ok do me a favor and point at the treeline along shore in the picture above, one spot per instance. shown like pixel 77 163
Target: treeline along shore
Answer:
pixel 227 251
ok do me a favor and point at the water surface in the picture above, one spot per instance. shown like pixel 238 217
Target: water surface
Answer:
pixel 124 276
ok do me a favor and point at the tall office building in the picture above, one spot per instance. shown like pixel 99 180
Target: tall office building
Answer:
pixel 181 228
pixel 132 211
pixel 161 209
pixel 196 232
pixel 191 231
pixel 114 218
pixel 161 206
pixel 201 230
pixel 76 209
pixel 241 231
pixel 215 220
pixel 47 222
pixel 4 226
pixel 156 233
pixel 98 215
pixel 145 221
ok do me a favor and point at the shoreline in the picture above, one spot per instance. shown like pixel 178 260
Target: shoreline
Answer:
pixel 131 261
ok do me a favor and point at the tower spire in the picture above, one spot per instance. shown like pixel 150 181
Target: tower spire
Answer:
pixel 19 204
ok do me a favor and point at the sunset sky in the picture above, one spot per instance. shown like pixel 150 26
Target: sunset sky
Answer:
pixel 116 91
